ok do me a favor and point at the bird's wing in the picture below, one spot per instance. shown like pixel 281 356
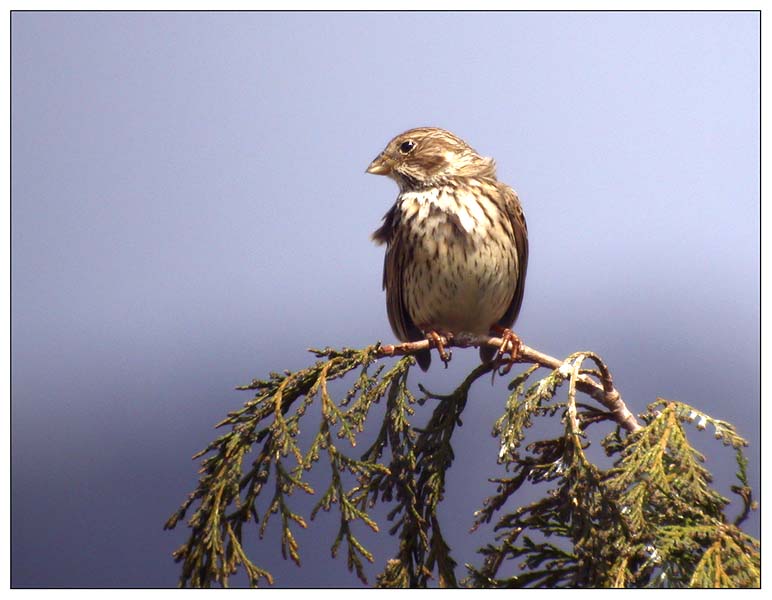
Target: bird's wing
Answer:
pixel 514 212
pixel 399 317
pixel 393 272
pixel 392 283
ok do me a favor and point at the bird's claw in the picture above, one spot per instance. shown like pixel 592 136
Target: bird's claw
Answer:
pixel 510 344
pixel 436 340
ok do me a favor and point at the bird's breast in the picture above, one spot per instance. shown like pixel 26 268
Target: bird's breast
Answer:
pixel 460 267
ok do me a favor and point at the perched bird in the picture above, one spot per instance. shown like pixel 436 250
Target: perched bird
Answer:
pixel 456 241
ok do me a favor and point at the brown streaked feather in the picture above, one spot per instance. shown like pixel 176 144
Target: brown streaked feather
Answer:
pixel 399 317
pixel 514 211
pixel 385 232
pixel 393 267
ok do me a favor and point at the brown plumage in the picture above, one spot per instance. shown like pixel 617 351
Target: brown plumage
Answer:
pixel 456 240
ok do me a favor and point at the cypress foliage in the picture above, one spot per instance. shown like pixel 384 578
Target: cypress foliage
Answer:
pixel 651 519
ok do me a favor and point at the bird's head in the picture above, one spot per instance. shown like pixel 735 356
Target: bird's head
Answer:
pixel 428 156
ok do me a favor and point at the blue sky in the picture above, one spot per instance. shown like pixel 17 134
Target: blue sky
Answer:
pixel 190 210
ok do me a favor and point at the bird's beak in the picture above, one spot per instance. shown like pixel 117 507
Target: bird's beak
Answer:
pixel 380 166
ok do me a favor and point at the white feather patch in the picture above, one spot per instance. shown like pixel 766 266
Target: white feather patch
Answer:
pixel 471 216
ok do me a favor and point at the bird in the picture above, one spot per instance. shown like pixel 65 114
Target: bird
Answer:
pixel 456 242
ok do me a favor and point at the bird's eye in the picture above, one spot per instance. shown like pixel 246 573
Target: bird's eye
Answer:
pixel 406 147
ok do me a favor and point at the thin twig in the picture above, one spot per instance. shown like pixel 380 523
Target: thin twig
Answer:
pixel 603 392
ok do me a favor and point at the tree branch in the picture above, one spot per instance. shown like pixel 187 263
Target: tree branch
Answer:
pixel 604 392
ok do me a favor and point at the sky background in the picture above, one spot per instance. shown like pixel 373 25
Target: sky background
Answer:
pixel 190 211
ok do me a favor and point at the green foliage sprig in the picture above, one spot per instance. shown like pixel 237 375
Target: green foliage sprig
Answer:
pixel 652 519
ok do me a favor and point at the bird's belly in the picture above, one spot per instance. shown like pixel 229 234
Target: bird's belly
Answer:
pixel 460 283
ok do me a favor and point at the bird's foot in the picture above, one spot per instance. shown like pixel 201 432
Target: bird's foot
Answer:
pixel 436 340
pixel 510 344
